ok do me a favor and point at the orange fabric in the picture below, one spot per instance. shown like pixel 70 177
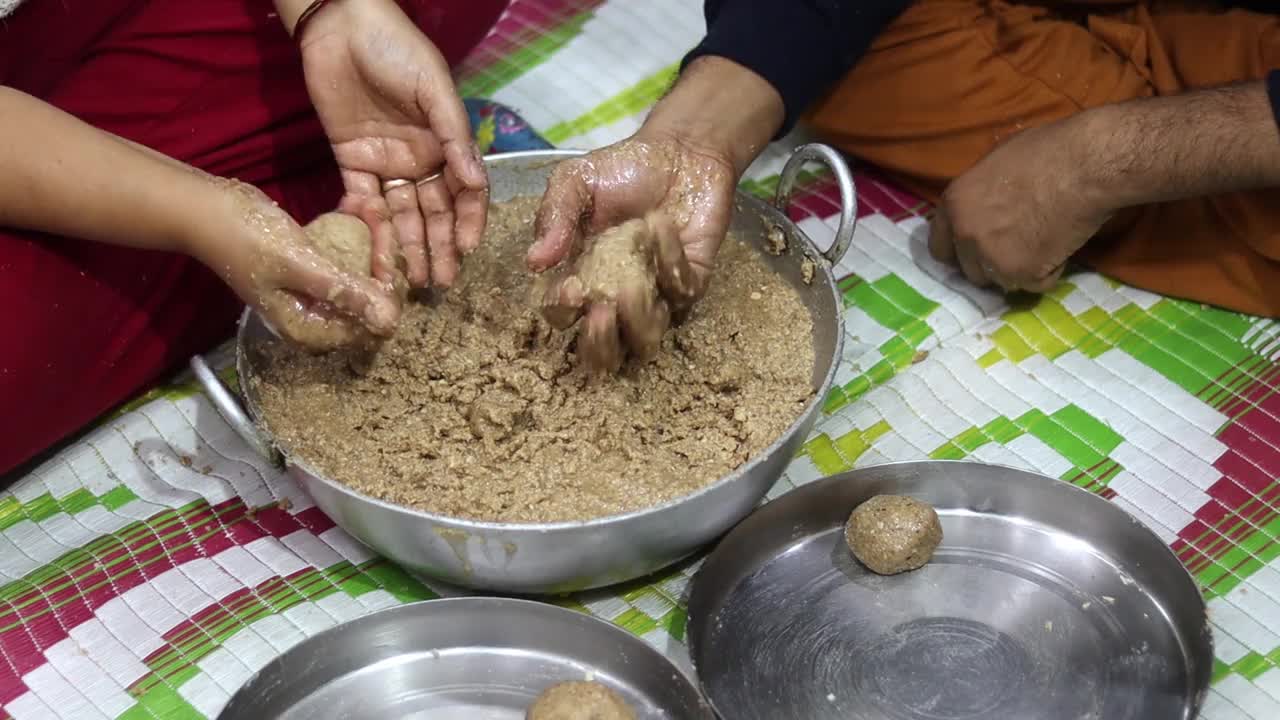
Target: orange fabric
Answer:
pixel 952 78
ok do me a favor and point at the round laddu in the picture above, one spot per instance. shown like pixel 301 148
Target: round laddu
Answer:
pixel 583 700
pixel 891 534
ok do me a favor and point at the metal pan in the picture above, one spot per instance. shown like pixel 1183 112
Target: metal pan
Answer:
pixel 461 659
pixel 1044 601
pixel 564 557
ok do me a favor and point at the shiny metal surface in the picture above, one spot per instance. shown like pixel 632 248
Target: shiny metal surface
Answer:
pixel 829 157
pixel 461 659
pixel 566 557
pixel 1044 602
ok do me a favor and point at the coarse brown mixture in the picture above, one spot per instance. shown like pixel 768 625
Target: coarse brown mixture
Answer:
pixel 476 408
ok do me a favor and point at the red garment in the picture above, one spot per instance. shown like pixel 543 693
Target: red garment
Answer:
pixel 217 84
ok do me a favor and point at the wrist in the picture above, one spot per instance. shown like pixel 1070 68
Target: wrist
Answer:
pixel 1101 145
pixel 297 15
pixel 719 108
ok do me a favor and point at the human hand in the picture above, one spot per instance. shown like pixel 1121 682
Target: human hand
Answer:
pixel 685 195
pixel 1016 217
pixel 266 258
pixel 389 106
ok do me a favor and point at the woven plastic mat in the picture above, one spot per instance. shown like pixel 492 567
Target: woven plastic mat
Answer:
pixel 148 570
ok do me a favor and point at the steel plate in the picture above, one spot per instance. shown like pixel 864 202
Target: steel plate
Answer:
pixel 1044 601
pixel 461 659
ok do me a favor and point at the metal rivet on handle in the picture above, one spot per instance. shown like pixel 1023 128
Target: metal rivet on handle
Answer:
pixel 829 156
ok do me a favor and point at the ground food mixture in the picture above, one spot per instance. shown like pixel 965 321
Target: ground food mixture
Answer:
pixel 477 409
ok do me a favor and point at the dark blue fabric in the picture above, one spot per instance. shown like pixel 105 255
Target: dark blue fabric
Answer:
pixel 802 47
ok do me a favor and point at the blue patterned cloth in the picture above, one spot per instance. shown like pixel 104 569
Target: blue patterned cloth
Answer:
pixel 498 129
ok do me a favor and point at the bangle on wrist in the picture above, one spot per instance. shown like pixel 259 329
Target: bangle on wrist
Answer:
pixel 310 12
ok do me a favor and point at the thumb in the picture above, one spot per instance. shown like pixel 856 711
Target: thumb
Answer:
pixel 567 200
pixel 366 300
pixel 941 242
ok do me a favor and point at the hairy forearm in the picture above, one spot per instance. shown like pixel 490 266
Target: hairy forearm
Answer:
pixel 721 107
pixel 65 177
pixel 1199 143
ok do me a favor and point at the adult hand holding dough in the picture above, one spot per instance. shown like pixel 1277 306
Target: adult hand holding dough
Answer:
pixel 679 171
pixel 622 283
pixel 272 265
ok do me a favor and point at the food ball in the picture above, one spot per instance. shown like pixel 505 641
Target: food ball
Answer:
pixel 582 700
pixel 892 534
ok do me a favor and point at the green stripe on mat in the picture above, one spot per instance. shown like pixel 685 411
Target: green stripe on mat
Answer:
pixel 766 187
pixel 895 305
pixel 308 586
pixel 65 570
pixel 1242 559
pixel 164 703
pixel 625 104
pixel 485 81
pixel 1251 666
pixel 1077 436
pixel 839 455
pixel 46 506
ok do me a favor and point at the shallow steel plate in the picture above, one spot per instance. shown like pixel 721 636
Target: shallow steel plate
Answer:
pixel 461 659
pixel 1044 601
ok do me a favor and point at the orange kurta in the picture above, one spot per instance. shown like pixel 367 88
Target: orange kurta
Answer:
pixel 952 78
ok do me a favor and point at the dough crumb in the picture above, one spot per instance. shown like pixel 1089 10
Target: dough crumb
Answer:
pixel 892 534
pixel 579 701
pixel 776 240
pixel 808 268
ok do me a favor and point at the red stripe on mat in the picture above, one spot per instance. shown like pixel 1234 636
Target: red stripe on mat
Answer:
pixel 43 617
pixel 1246 497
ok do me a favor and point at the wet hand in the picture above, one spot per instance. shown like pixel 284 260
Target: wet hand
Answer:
pixel 684 197
pixel 1016 217
pixel 390 109
pixel 257 249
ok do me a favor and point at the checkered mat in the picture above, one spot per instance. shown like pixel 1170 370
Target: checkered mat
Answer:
pixel 148 570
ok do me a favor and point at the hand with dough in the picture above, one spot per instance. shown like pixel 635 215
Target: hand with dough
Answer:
pixel 316 291
pixel 676 176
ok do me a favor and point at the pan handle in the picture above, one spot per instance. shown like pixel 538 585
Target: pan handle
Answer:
pixel 229 407
pixel 829 156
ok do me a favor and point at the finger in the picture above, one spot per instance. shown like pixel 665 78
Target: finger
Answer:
pixel 472 210
pixel 437 209
pixel 448 121
pixel 680 284
pixel 364 200
pixel 941 240
pixel 363 299
pixel 563 302
pixel 566 201
pixel 970 264
pixel 599 346
pixel 304 323
pixel 411 232
pixel 644 318
pixel 1046 283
